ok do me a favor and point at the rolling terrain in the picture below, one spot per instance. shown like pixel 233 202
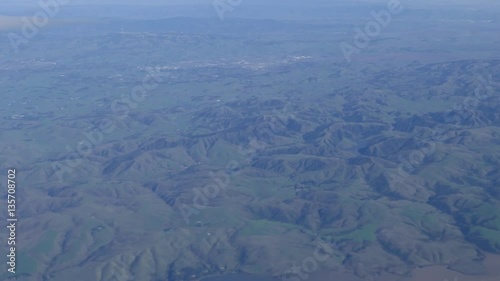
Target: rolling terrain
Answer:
pixel 251 144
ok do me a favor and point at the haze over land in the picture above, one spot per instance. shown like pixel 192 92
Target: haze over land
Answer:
pixel 164 142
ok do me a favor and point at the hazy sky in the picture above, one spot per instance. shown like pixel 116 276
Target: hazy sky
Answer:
pixel 128 2
pixel 282 2
pixel 182 2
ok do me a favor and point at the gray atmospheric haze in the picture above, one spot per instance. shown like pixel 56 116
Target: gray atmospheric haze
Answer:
pixel 250 140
